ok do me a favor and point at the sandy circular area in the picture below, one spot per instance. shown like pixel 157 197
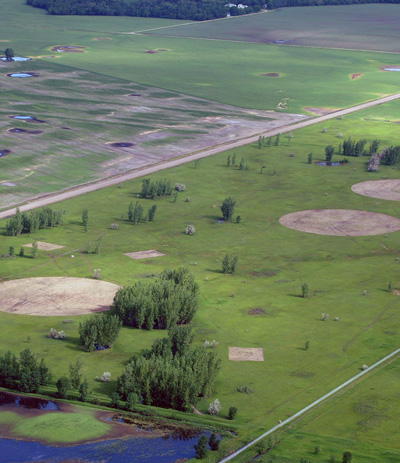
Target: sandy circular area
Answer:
pixel 382 189
pixel 341 222
pixel 56 296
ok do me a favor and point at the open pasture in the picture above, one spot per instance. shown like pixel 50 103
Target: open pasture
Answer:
pixel 372 27
pixel 258 307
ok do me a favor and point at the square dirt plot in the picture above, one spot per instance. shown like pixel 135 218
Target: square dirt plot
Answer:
pixel 144 254
pixel 44 246
pixel 246 354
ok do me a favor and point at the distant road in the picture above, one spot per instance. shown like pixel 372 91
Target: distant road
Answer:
pixel 104 183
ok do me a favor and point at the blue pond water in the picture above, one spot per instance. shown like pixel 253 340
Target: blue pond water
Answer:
pixel 132 450
pixel 17 58
pixel 23 118
pixel 166 449
pixel 392 69
pixel 21 74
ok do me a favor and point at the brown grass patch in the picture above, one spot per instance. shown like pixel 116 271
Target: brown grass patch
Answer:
pixel 151 51
pixel 144 254
pixel 56 296
pixel 69 49
pixel 382 189
pixel 256 311
pixel 341 222
pixel 44 246
pixel 319 111
pixel 102 38
pixel 356 76
pixel 246 354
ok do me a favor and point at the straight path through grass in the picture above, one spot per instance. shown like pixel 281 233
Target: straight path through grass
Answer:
pixel 316 403
pixel 86 188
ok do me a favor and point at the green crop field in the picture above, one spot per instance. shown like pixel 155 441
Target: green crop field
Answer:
pixel 372 27
pixel 274 262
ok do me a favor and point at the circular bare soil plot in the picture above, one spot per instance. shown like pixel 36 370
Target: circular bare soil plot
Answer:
pixel 382 189
pixel 56 296
pixel 341 222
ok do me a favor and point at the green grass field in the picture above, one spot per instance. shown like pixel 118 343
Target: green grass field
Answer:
pixel 274 263
pixel 362 27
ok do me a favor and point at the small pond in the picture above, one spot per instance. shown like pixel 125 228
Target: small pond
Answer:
pixel 121 144
pixel 392 69
pixel 329 164
pixel 26 118
pixel 17 58
pixel 21 74
pixel 4 153
pixel 33 403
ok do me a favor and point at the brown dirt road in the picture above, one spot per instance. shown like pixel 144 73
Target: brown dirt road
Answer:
pixel 89 187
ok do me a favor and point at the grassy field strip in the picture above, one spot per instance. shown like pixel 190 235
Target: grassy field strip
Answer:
pixel 312 405
pixel 86 188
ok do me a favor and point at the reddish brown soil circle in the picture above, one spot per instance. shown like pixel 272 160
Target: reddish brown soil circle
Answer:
pixel 382 189
pixel 256 311
pixel 341 222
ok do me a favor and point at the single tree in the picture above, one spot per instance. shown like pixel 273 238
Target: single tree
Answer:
pixel 84 391
pixel 390 286
pixel 22 252
pixel 329 152
pixel 131 401
pixel 309 160
pixel 85 218
pixel 234 160
pixel 75 375
pixel 9 54
pixel 241 165
pixel 151 213
pixel 228 208
pixel 115 398
pixel 228 161
pixel 232 413
pixel 304 290
pixel 213 442
pixel 11 251
pixel 276 142
pixel 347 456
pixel 63 386
pixel 201 448
pixel 307 346
pixel 34 250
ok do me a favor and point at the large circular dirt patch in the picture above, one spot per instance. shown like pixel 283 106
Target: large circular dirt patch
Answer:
pixel 56 296
pixel 382 189
pixel 341 222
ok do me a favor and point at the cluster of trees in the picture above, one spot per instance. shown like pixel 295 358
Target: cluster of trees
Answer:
pixel 170 299
pixel 29 222
pixel 391 156
pixel 272 4
pixel 197 10
pixel 158 189
pixel 136 213
pixel 201 447
pixel 357 148
pixel 173 374
pixel 25 374
pixel 99 331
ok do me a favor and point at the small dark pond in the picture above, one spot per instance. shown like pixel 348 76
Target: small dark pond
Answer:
pixel 4 153
pixel 329 164
pixel 32 132
pixel 27 402
pixel 134 94
pixel 121 144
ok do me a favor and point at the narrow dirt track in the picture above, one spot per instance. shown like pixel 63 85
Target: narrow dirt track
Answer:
pixel 89 187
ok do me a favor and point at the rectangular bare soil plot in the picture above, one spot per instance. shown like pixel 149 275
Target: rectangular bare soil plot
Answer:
pixel 44 246
pixel 246 354
pixel 144 254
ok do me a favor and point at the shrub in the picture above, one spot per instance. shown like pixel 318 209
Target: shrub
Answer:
pixel 180 187
pixel 244 389
pixel 115 398
pixel 190 230
pixel 131 401
pixel 214 408
pixel 201 448
pixel 228 208
pixel 55 334
pixel 106 377
pixel 213 442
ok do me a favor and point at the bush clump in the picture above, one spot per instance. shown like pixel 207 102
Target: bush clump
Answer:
pixel 99 332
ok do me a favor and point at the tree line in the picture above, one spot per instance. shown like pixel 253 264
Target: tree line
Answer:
pixel 172 374
pixel 170 299
pixel 29 222
pixel 197 10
